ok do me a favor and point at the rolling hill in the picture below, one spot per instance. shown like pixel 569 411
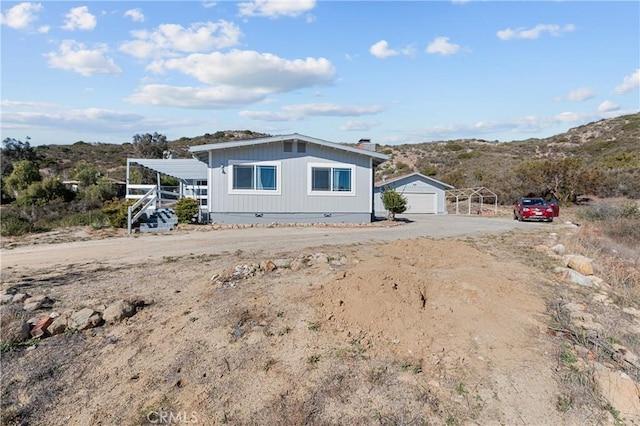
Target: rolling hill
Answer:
pixel 611 147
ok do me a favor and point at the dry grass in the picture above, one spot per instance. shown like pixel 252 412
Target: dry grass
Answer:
pixel 611 235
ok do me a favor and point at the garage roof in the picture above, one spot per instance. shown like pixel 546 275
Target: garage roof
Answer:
pixel 416 175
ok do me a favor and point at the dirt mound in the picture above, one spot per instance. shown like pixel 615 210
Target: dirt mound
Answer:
pixel 450 309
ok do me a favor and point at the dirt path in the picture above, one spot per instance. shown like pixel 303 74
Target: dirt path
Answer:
pixel 143 247
pixel 369 327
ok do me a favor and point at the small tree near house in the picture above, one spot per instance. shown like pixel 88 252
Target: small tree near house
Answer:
pixel 394 202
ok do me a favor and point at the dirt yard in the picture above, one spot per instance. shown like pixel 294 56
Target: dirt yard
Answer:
pixel 414 331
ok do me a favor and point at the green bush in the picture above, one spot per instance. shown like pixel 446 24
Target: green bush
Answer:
pixel 14 225
pixel 116 212
pixel 94 218
pixel 451 146
pixel 394 202
pixel 429 171
pixel 187 210
pixel 99 192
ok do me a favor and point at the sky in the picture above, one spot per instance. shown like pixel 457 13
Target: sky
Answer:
pixel 394 72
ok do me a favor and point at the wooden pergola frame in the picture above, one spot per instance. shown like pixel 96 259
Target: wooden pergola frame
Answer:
pixel 470 194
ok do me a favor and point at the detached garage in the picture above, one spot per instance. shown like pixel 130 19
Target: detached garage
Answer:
pixel 424 195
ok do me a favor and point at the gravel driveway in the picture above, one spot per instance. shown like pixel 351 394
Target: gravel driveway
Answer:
pixel 141 247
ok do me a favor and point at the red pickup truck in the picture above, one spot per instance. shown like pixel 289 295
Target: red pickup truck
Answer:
pixel 534 209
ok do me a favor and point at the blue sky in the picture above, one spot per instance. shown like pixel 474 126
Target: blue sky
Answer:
pixel 391 71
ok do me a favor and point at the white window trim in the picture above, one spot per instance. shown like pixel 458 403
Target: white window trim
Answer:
pixel 351 193
pixel 277 164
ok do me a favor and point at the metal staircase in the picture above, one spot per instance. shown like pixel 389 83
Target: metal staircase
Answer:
pixel 162 219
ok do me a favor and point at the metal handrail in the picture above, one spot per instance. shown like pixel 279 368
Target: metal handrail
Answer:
pixel 152 196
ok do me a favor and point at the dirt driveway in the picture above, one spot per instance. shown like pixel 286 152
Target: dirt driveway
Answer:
pixel 141 247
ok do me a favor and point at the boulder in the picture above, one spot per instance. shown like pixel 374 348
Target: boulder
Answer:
pixel 267 266
pixel 6 298
pixel 19 297
pixel 580 264
pixel 36 302
pixel 32 306
pixel 558 249
pixel 117 311
pixel 39 298
pixel 282 263
pixel 60 323
pixel 85 319
pixel 580 279
pixel 621 392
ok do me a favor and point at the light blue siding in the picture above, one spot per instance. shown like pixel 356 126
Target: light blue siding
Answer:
pixel 413 184
pixel 292 201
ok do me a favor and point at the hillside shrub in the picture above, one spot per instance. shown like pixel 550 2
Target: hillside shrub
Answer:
pixel 116 212
pixel 620 222
pixel 14 225
pixel 96 219
pixel 402 167
pixel 429 171
pixel 187 210
pixel 99 192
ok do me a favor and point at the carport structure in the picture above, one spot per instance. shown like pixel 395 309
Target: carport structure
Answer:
pixel 469 194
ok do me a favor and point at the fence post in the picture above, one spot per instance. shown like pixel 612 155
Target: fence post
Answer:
pixel 129 220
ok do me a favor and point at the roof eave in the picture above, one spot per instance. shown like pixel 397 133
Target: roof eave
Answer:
pixel 281 138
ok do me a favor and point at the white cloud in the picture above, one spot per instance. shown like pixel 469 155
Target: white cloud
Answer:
pixel 442 46
pixel 381 50
pixel 535 32
pixel 567 117
pixel 79 18
pixel 250 69
pixel 332 110
pixel 20 16
pixel 195 97
pixel 608 106
pixel 25 104
pixel 74 56
pixel 629 84
pixel 275 8
pixel 358 125
pixel 78 118
pixel 300 111
pixel 581 94
pixel 209 4
pixel 113 126
pixel 270 116
pixel 136 15
pixel 168 39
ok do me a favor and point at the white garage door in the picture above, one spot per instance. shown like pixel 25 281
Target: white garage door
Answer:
pixel 421 203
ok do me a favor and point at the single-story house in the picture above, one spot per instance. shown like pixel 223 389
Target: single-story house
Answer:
pixel 423 193
pixel 289 178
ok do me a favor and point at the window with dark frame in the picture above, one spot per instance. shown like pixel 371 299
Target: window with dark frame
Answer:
pixel 255 177
pixel 288 146
pixel 301 146
pixel 334 179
